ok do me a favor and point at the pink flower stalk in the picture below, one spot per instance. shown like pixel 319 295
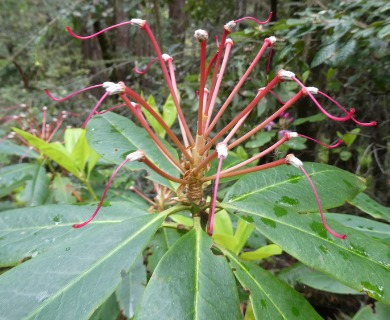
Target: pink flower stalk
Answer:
pixel 135 156
pixel 294 161
pixel 196 147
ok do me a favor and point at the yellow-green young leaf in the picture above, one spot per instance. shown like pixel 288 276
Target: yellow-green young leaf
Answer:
pixel 151 120
pixel 169 112
pixel 223 223
pixel 262 253
pixel 71 138
pixel 55 151
pixel 225 240
pixel 182 219
pixel 242 234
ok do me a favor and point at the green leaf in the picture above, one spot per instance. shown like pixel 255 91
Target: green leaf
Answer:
pixel 314 118
pixel 79 275
pixel 61 188
pixel 10 148
pixel 261 253
pixel 199 284
pixel 270 297
pixel 279 189
pixel 28 232
pixel 371 207
pixel 162 241
pixel 77 145
pixel 314 279
pixel 114 137
pixel 36 190
pixel 369 227
pixel 359 262
pixel 169 112
pixel 324 54
pixel 380 312
pixel 109 310
pixel 385 31
pixel 55 151
pixel 151 120
pixel 131 288
pixel 14 176
pixel 260 140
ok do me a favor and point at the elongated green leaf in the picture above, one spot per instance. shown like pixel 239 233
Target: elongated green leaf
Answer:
pixel 131 288
pixel 279 189
pixel 37 189
pixel 198 284
pixel 370 206
pixel 359 262
pixel 372 228
pixel 324 54
pixel 274 198
pixel 270 297
pixel 14 176
pixel 380 312
pixel 261 253
pixel 55 151
pixel 10 148
pixel 169 111
pixel 28 232
pixel 114 137
pixel 61 190
pixel 109 310
pixel 151 120
pixel 77 277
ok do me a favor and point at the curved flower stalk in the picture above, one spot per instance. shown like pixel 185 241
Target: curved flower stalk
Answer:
pixel 202 146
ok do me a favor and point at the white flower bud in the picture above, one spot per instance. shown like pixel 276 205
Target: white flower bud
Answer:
pixel 286 75
pixel 228 40
pixel 312 90
pixel 136 156
pixel 294 161
pixel 138 22
pixel 113 88
pixel 166 57
pixel 292 134
pixel 272 39
pixel 222 150
pixel 230 26
pixel 201 35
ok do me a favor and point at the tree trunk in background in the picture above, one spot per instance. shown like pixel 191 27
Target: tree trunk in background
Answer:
pixel 177 22
pixel 122 41
pixel 274 9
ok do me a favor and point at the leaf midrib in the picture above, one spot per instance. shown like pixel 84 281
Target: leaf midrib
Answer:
pixel 311 234
pixel 94 266
pixel 247 194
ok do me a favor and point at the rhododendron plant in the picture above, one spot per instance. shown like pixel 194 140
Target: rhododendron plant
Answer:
pixel 197 149
pixel 192 248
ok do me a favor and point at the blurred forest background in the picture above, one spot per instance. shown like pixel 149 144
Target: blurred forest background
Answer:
pixel 341 47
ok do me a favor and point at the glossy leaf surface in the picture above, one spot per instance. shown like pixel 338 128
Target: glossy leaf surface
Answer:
pixel 270 297
pixel 190 282
pixel 28 232
pixel 273 199
pixel 79 275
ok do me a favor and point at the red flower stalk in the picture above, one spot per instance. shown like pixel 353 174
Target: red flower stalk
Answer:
pixel 196 156
pixel 294 161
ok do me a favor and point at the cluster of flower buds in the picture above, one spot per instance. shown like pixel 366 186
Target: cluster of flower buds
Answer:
pixel 44 127
pixel 200 148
